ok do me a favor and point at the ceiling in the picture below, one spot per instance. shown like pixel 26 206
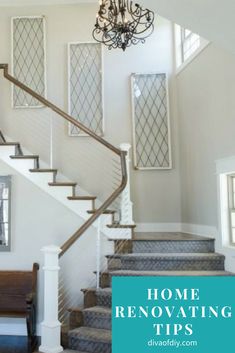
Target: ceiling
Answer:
pixel 212 19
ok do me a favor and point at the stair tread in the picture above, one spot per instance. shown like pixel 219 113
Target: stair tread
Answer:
pixel 9 143
pixel 105 212
pixel 99 310
pixel 62 184
pixel 82 197
pixel 166 255
pixel 121 226
pixel 90 333
pixel 39 170
pixel 174 236
pixel 170 273
pixel 30 156
pixel 72 351
pixel 106 290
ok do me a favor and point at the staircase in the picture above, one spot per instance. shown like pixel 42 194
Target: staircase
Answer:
pixel 65 191
pixel 166 254
pixel 150 254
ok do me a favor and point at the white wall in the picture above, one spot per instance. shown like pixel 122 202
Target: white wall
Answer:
pixel 206 91
pixel 38 220
pixel 155 193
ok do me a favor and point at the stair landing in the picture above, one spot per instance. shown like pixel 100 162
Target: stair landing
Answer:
pixel 177 236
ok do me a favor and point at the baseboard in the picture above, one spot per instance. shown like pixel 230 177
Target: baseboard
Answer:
pixel 197 229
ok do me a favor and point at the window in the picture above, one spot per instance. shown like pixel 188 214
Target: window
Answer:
pixel 231 206
pixel 190 42
pixel 187 46
pixel 5 183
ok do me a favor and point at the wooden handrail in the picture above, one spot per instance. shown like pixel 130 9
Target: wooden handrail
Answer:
pixel 105 143
pixel 53 107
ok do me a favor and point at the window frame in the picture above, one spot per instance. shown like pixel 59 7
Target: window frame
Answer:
pixel 180 61
pixel 7 180
pixel 35 104
pixel 231 206
pixel 184 39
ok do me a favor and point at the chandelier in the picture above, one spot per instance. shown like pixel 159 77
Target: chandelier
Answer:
pixel 120 23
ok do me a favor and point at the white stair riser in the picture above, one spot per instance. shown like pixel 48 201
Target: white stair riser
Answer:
pixel 61 192
pixel 6 151
pixel 22 165
pixel 104 220
pixel 41 178
pixel 117 233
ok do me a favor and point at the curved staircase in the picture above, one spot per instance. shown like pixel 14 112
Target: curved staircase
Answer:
pixel 166 254
pixel 150 254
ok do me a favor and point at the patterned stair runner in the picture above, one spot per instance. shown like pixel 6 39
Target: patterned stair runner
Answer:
pixel 148 255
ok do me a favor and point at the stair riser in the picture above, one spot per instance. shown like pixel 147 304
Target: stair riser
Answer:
pixel 123 246
pixel 114 264
pixel 105 280
pixel 62 191
pixel 42 178
pixel 116 233
pixel 104 220
pixel 92 298
pixel 104 300
pixel 97 320
pixel 23 164
pixel 86 345
pixel 81 205
pixel 172 265
pixel 6 151
pixel 205 246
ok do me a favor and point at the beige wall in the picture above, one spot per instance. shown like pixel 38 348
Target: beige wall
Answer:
pixel 155 193
pixel 206 91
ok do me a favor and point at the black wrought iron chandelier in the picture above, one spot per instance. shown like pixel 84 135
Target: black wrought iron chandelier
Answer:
pixel 120 23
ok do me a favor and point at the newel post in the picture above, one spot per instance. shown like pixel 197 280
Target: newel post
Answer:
pixel 51 327
pixel 126 204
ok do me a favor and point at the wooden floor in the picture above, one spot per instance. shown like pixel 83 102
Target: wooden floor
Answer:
pixel 13 344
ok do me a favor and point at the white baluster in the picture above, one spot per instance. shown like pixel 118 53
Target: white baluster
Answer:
pixel 51 327
pixel 126 204
pixel 98 254
pixel 51 142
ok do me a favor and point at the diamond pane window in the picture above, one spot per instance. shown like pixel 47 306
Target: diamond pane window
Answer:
pixel 85 87
pixel 151 130
pixel 28 59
